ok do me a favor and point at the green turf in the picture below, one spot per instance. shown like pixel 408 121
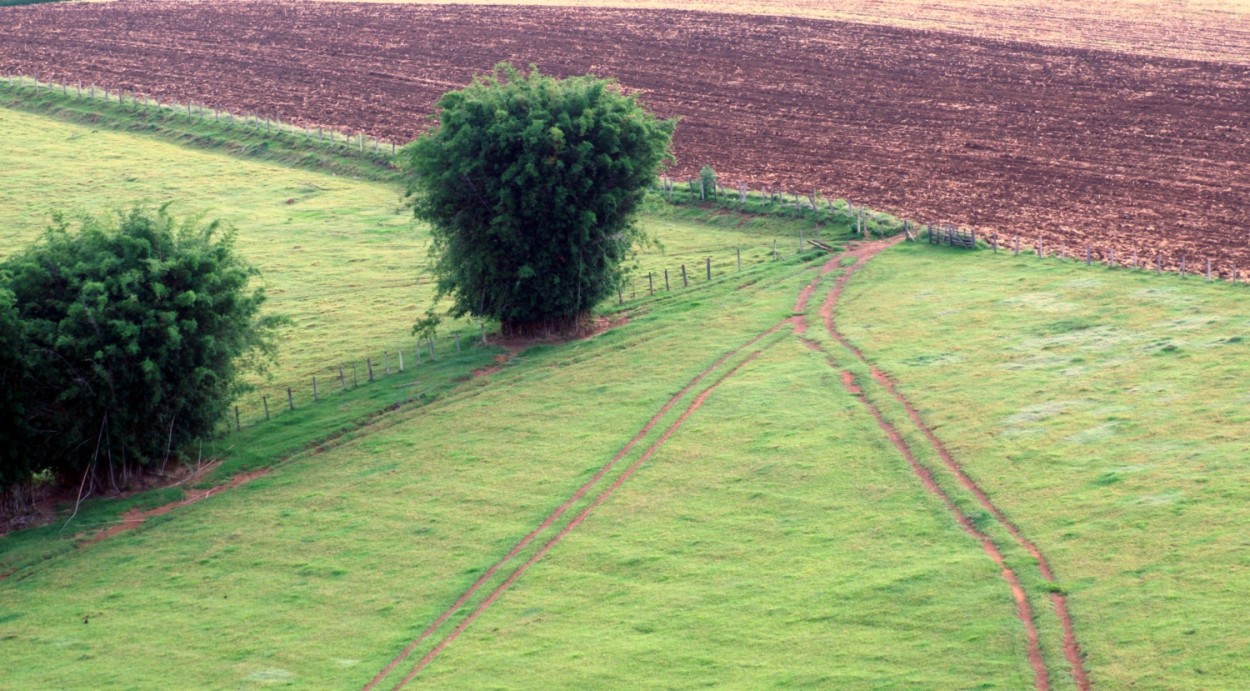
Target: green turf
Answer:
pixel 776 539
pixel 343 257
pixel 1105 410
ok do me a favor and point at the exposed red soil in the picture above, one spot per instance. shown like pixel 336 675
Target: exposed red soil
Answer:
pixel 577 520
pixel 587 329
pixel 568 503
pixel 135 517
pixel 1077 146
pixel 1071 647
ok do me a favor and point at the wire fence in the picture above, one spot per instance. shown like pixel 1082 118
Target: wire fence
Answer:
pixel 324 383
pixel 1136 259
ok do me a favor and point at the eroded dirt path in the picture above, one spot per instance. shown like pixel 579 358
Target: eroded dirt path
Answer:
pixel 1071 647
pixel 861 253
pixel 136 517
pixel 561 510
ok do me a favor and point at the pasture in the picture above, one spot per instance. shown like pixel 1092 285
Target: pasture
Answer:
pixel 342 257
pixel 893 465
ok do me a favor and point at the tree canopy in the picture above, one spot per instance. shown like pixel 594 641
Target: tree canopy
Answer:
pixel 122 339
pixel 531 184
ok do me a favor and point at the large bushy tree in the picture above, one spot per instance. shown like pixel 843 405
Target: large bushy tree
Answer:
pixel 129 335
pixel 531 184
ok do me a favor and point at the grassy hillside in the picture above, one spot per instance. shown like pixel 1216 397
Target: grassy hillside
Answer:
pixel 1107 410
pixel 744 520
pixel 777 515
pixel 343 257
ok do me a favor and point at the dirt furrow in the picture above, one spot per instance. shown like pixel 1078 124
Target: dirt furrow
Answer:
pixel 1071 646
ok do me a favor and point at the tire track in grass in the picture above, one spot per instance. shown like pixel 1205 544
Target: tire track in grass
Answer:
pixel 1041 679
pixel 1071 647
pixel 575 497
pixel 585 513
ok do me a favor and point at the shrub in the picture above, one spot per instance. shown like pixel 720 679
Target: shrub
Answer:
pixel 531 184
pixel 132 333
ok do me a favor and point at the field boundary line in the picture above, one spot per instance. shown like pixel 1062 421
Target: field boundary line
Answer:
pixel 573 499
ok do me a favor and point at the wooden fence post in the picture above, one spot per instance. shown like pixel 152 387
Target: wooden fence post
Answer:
pixel 265 401
pixel 315 396
pixel 1158 264
pixel 400 353
pixel 1017 248
pixel 774 249
pixel 482 325
pixel 1182 266
pixel 1208 269
pixel 994 242
pixel 386 361
pixel 342 379
pixel 684 282
pixel 290 399
pixel 369 366
pixel 709 268
pixel 457 341
pixel 800 241
pixel 355 382
pixel 237 425
pixel 739 257
pixel 650 283
pixel 430 339
pixel 666 288
pixel 620 299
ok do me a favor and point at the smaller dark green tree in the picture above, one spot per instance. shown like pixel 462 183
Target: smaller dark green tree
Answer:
pixel 13 432
pixel 531 184
pixel 133 332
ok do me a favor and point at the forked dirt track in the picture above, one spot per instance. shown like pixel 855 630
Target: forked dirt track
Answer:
pixel 1078 146
pixel 799 325
pixel 1071 647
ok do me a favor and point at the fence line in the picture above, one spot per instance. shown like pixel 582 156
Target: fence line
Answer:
pixel 349 375
pixel 955 237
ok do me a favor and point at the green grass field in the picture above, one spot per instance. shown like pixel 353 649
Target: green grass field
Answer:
pixel 764 532
pixel 1107 410
pixel 342 257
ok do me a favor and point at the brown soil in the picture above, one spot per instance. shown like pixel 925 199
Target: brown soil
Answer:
pixel 1195 29
pixel 135 517
pixel 1073 145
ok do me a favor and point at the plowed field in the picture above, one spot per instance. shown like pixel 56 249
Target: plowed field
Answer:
pixel 1193 29
pixel 1139 153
